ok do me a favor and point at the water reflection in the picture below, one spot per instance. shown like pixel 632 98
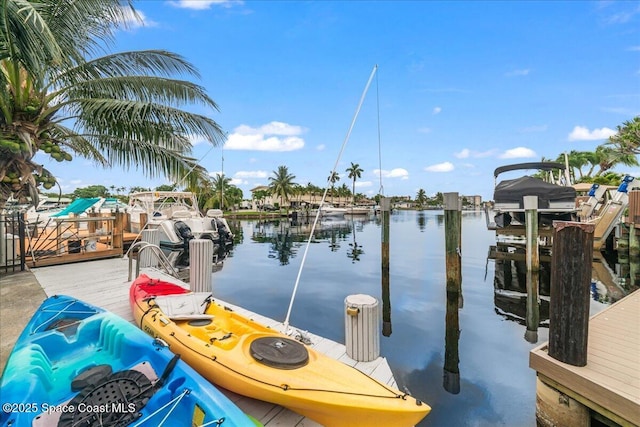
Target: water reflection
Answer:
pixel 451 370
pixel 520 296
pixel 286 237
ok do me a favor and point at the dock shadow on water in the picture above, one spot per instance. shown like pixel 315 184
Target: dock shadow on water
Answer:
pixel 486 352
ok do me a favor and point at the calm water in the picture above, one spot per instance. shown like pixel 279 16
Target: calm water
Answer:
pixel 496 386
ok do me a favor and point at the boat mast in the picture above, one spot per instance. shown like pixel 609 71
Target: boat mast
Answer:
pixel 324 196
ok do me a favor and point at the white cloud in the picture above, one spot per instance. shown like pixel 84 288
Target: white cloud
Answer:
pixel 463 154
pixel 634 48
pixel 237 181
pixel 274 136
pixel 581 133
pixel 440 167
pixel 516 73
pixel 321 147
pixel 518 152
pixel 393 173
pixel 362 184
pixel 424 130
pixel 134 20
pixel 437 110
pixel 251 174
pixel 203 4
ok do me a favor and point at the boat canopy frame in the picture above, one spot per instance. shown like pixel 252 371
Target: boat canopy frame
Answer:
pixel 547 166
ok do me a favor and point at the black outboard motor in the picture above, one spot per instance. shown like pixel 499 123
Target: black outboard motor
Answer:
pixel 226 238
pixel 183 231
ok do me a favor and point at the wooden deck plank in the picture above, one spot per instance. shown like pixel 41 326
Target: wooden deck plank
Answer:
pixel 103 283
pixel 611 378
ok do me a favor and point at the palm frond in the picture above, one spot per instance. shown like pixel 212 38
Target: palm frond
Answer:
pixel 141 120
pixel 141 88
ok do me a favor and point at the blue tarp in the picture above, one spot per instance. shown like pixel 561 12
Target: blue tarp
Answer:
pixel 78 206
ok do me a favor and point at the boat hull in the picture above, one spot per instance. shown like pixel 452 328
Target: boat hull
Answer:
pixel 71 352
pixel 222 348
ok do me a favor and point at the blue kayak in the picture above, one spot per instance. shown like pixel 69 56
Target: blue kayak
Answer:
pixel 78 365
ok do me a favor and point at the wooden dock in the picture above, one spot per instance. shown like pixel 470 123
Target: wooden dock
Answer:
pixel 104 283
pixel 609 384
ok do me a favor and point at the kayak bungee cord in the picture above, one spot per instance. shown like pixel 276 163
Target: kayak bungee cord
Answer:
pixel 286 387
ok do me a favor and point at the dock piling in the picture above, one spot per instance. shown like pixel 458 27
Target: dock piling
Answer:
pixel 533 268
pixel 385 205
pixel 570 291
pixel 453 260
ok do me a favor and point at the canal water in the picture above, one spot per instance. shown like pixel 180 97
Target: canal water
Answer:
pixel 488 384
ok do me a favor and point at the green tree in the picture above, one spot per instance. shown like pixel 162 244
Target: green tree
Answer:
pixel 421 198
pixel 281 184
pixel 610 156
pixel 166 187
pixel 355 172
pixel 121 109
pixel 91 191
pixel 627 139
pixel 333 178
pixel 217 193
pixel 259 196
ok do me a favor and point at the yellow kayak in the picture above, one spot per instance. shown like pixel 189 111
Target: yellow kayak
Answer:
pixel 241 355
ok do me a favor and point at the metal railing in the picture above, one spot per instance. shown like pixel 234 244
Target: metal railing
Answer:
pixel 159 255
pixel 12 242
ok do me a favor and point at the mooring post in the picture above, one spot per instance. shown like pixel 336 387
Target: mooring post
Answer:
pixel 453 260
pixel 385 205
pixel 533 267
pixel 201 265
pixel 362 327
pixel 453 241
pixel 570 291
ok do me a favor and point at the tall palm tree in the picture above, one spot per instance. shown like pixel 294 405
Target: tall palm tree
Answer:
pixel 281 184
pixel 120 109
pixel 421 198
pixel 355 172
pixel 333 178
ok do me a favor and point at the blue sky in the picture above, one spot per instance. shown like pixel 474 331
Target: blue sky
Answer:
pixel 461 88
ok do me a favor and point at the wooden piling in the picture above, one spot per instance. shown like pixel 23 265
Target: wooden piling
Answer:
pixel 118 232
pixel 532 257
pixel 385 205
pixel 453 261
pixel 453 242
pixel 570 291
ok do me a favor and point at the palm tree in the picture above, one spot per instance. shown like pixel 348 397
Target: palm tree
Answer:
pixel 627 139
pixel 333 178
pixel 120 109
pixel 281 184
pixel 354 173
pixel 421 198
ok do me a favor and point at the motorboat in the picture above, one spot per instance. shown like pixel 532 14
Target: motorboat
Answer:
pixel 359 210
pixel 177 216
pixel 555 201
pixel 330 210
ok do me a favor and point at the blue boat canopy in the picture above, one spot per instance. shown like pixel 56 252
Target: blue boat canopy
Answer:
pixel 78 206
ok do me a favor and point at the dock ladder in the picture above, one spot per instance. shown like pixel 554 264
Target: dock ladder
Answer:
pixel 163 262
